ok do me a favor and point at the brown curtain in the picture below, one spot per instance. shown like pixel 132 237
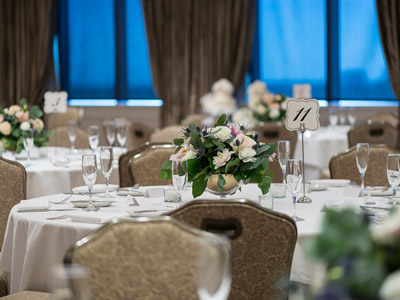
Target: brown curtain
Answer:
pixel 26 55
pixel 194 43
pixel 389 28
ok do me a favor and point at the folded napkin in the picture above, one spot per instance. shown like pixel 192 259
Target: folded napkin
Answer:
pixel 379 191
pixel 92 217
pixel 129 192
pixel 97 188
pixel 33 205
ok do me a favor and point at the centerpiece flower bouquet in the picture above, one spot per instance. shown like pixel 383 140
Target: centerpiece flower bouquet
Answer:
pixel 221 151
pixel 267 107
pixel 362 261
pixel 17 118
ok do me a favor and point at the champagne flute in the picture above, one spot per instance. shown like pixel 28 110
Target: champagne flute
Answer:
pixel 89 171
pixel 283 155
pixel 213 268
pixel 293 181
pixel 71 124
pixel 362 160
pixel 93 132
pixel 110 131
pixel 28 139
pixel 179 177
pixel 121 134
pixel 333 117
pixel 106 162
pixel 393 173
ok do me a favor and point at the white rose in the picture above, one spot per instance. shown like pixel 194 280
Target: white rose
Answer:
pixel 387 233
pixel 222 158
pixel 223 86
pixel 283 105
pixel 244 140
pixel 390 289
pixel 257 88
pixel 244 116
pixel 253 101
pixel 5 128
pixel 14 109
pixel 247 154
pixel 274 113
pixel 186 152
pixel 261 109
pixel 25 125
pixel 224 133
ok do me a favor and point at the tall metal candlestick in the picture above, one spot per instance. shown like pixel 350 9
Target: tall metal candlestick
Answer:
pixel 304 198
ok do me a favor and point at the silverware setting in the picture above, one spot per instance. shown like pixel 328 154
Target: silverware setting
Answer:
pixel 58 217
pixel 64 200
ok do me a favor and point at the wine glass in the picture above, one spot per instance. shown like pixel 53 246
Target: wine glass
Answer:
pixel 351 116
pixel 93 132
pixel 333 117
pixel 28 138
pixel 393 173
pixel 106 162
pixel 71 124
pixel 293 181
pixel 121 134
pixel 179 177
pixel 110 131
pixel 362 160
pixel 213 268
pixel 89 171
pixel 70 282
pixel 283 155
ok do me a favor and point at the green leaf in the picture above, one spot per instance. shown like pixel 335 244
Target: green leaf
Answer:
pixel 208 143
pixel 199 185
pixel 222 120
pixel 178 142
pixel 35 112
pixel 263 149
pixel 22 102
pixel 165 174
pixel 219 144
pixel 166 165
pixel 246 166
pixel 265 184
pixel 220 183
pixel 231 164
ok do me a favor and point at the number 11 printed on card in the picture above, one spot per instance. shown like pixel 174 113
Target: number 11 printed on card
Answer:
pixel 302 114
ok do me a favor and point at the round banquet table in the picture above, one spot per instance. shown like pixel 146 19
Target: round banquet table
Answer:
pixel 319 147
pixel 47 175
pixel 33 244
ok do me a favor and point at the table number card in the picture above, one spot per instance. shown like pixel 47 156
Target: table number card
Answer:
pixel 300 111
pixel 302 91
pixel 55 102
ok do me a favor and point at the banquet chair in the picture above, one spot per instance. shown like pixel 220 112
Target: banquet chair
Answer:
pixel 195 118
pixel 124 164
pixel 391 118
pixel 373 132
pixel 81 142
pixel 263 243
pixel 343 165
pixel 167 134
pixel 145 167
pixel 60 120
pixel 138 134
pixel 272 133
pixel 28 295
pixel 146 258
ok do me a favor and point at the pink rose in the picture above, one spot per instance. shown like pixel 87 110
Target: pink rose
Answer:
pixel 271 158
pixel 245 142
pixel 268 98
pixel 235 129
pixel 22 116
pixel 1 118
pixel 5 128
pixel 14 109
pixel 274 105
pixel 34 123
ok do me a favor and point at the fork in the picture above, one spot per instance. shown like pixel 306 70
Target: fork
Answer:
pixel 64 200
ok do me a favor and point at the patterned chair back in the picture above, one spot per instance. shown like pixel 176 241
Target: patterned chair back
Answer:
pixel 138 134
pixel 81 142
pixel 141 259
pixel 145 167
pixel 343 165
pixel 373 132
pixel 13 190
pixel 272 133
pixel 167 134
pixel 197 119
pixel 262 241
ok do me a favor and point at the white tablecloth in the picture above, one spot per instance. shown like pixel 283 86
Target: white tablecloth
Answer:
pixel 33 244
pixel 319 147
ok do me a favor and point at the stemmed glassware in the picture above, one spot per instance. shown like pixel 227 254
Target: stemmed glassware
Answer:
pixel 110 131
pixel 89 171
pixel 121 134
pixel 93 132
pixel 214 264
pixel 293 182
pixel 179 177
pixel 106 162
pixel 72 125
pixel 283 155
pixel 362 160
pixel 28 138
pixel 393 173
pixel 333 117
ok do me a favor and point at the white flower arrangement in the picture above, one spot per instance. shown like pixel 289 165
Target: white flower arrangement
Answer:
pixel 220 99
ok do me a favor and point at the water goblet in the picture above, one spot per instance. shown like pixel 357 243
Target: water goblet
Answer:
pixel 110 131
pixel 179 177
pixel 28 141
pixel 213 268
pixel 72 125
pixel 362 157
pixel 283 155
pixel 89 172
pixel 122 134
pixel 106 162
pixel 293 181
pixel 393 173
pixel 93 132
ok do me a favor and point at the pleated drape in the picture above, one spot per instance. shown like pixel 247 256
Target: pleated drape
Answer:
pixel 194 43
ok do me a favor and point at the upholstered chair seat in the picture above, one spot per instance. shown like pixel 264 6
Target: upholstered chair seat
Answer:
pixel 81 142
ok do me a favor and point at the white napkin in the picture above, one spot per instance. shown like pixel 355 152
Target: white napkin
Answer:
pixel 129 192
pixel 154 193
pixel 33 205
pixel 97 188
pixel 379 191
pixel 92 217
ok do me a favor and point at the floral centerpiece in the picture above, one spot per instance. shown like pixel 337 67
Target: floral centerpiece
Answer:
pixel 222 151
pixel 220 99
pixel 267 107
pixel 17 118
pixel 362 262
